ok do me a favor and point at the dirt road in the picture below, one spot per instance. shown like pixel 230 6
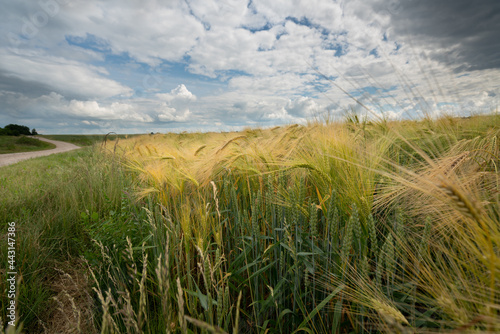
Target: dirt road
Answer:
pixel 12 158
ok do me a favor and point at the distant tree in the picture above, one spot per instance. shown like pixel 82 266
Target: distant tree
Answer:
pixel 33 132
pixel 17 130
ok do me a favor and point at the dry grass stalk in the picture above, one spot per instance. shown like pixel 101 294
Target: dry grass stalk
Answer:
pixel 74 313
pixel 182 318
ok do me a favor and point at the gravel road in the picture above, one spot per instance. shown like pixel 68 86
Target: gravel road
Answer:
pixel 12 158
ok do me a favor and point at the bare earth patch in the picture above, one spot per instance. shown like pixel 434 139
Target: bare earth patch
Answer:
pixel 73 305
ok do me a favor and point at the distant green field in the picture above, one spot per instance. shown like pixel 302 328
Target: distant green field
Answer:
pixel 85 140
pixel 13 144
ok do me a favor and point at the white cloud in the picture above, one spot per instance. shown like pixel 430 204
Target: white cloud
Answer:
pixel 175 107
pixel 114 111
pixel 56 106
pixel 286 84
pixel 302 107
pixel 225 13
pixel 180 93
pixel 91 123
pixel 167 30
pixel 325 13
pixel 168 114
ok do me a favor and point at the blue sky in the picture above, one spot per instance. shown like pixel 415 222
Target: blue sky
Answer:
pixel 74 66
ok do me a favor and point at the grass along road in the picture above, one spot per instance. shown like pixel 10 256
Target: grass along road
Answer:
pixel 87 140
pixel 12 158
pixel 18 144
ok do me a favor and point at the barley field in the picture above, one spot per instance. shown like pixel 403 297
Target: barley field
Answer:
pixel 350 226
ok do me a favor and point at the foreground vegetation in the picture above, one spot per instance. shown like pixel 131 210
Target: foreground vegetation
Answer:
pixel 10 144
pixel 331 227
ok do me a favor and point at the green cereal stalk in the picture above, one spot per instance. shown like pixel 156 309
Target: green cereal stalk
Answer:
pixel 281 214
pixel 142 316
pixel 370 223
pixel 294 209
pixel 424 242
pixel 356 225
pixel 234 198
pixel 302 190
pixel 335 224
pixel 399 227
pixel 207 271
pixel 388 250
pixel 364 266
pixel 379 270
pixel 237 320
pixel 226 301
pixel 210 307
pixel 269 205
pixel 347 241
pixel 259 201
pixel 331 205
pixel 220 306
pixel 256 231
pixel 282 179
pixel 313 221
pixel 255 217
pixel 282 263
pixel 290 240
pixel 218 258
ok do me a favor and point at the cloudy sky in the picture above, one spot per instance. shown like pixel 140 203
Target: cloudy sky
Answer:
pixel 89 66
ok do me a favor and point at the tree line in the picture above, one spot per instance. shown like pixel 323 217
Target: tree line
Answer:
pixel 17 130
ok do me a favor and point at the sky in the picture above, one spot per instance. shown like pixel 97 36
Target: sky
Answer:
pixel 92 67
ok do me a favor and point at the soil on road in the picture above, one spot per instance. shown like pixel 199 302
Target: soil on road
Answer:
pixel 12 158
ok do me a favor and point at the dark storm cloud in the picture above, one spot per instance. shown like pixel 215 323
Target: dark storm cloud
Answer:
pixel 461 33
pixel 30 89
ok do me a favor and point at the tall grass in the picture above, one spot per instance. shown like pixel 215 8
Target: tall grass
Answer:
pixel 60 203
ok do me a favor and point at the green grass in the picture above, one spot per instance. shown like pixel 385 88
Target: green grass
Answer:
pixel 85 140
pixel 13 144
pixel 48 199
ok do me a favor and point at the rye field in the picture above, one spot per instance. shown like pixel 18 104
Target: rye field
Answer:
pixel 350 226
